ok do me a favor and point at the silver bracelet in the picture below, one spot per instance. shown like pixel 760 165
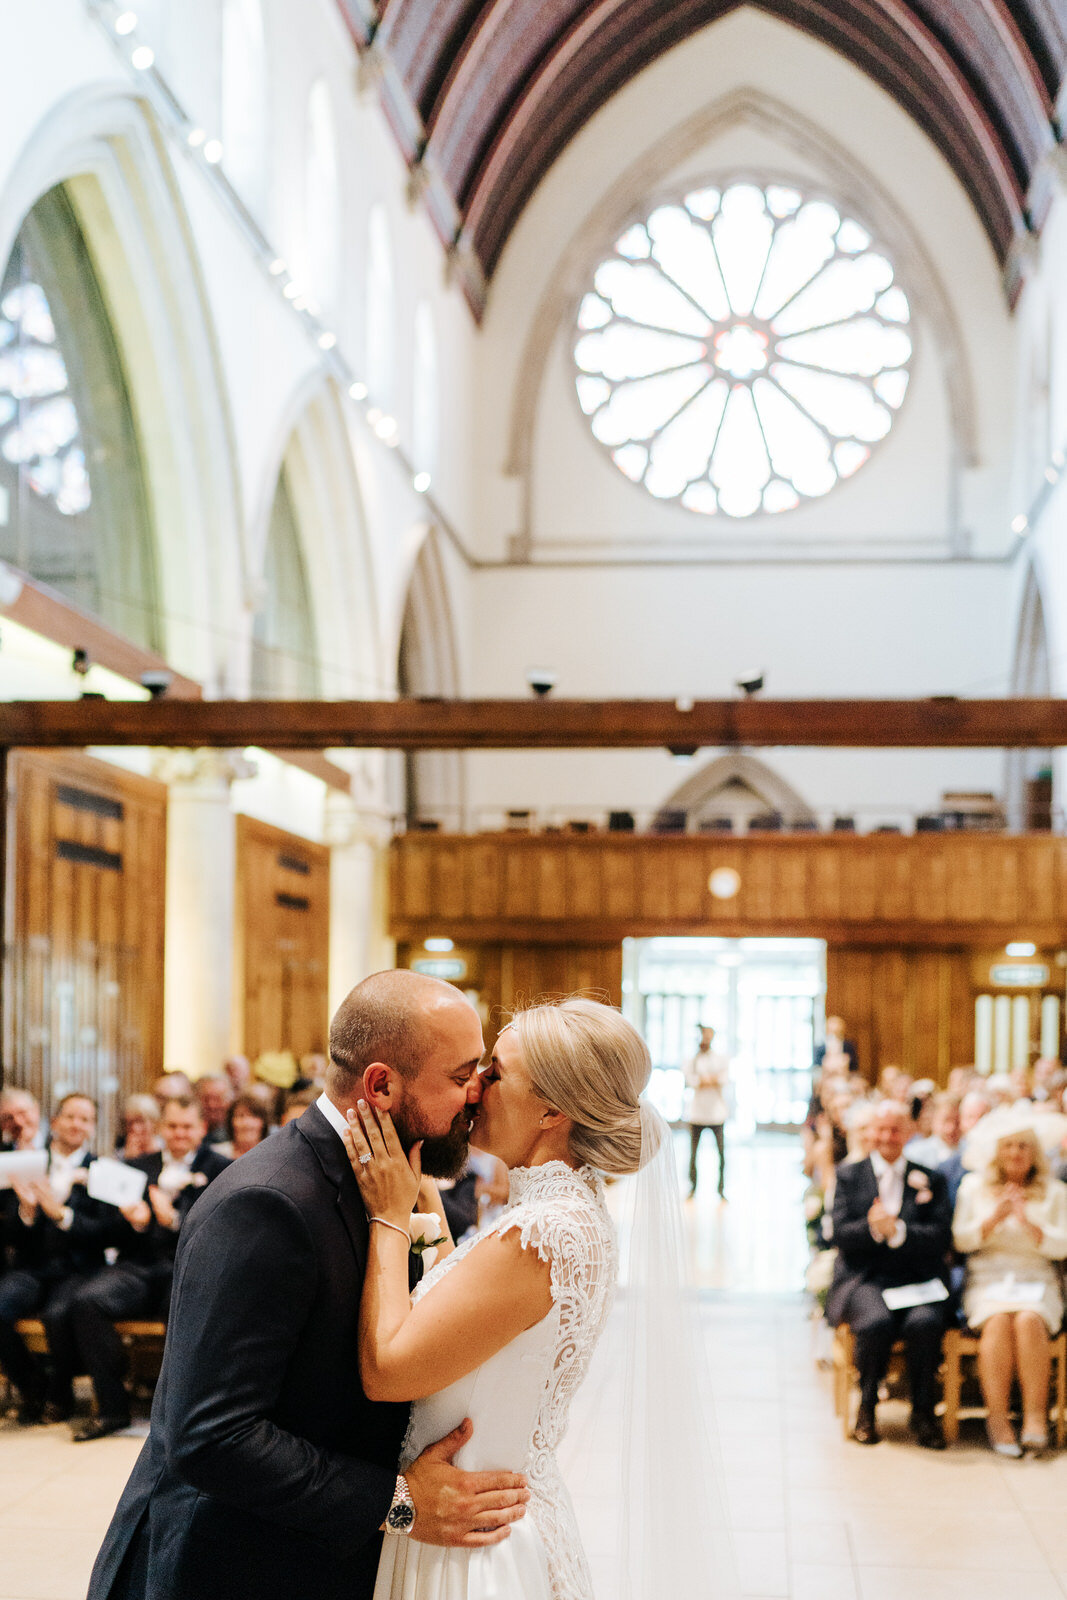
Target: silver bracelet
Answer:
pixel 395 1227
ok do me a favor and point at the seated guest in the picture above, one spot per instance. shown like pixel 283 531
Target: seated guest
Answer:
pixel 892 1226
pixel 140 1127
pixel 215 1095
pixel 172 1084
pixel 975 1105
pixel 1011 1224
pixel 247 1124
pixel 139 1282
pixel 57 1236
pixel 944 1136
pixel 20 1121
pixel 238 1070
pixel 297 1102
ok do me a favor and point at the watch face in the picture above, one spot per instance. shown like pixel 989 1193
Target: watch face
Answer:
pixel 401 1517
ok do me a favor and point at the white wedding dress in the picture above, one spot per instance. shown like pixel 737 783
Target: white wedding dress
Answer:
pixel 518 1402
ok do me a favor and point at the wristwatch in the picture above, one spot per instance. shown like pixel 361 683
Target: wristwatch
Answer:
pixel 400 1518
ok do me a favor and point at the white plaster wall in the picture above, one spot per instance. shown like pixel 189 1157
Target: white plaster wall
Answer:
pixel 657 632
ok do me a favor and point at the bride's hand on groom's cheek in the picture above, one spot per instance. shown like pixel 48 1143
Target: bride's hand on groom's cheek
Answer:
pixel 462 1508
pixel 388 1179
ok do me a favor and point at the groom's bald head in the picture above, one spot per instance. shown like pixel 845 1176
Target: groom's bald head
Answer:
pixel 393 1017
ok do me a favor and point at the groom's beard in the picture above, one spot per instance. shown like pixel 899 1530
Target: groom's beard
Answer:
pixel 443 1156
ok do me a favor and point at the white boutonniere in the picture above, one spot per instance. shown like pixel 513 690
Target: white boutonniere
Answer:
pixel 198 1179
pixel 426 1230
pixel 921 1184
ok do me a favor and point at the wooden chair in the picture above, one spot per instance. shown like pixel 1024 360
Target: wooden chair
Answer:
pixel 961 1343
pixel 846 1377
pixel 142 1338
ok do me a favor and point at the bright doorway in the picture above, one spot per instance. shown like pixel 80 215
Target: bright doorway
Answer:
pixel 764 998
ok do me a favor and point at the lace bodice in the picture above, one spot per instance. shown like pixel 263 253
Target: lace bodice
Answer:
pixel 519 1400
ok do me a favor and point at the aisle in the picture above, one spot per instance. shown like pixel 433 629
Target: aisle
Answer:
pixel 814 1517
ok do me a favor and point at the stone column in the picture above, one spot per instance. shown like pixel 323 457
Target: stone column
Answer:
pixel 198 980
pixel 358 837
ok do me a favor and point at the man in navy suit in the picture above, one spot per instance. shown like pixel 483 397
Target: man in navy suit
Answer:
pixel 139 1282
pixel 892 1227
pixel 268 1473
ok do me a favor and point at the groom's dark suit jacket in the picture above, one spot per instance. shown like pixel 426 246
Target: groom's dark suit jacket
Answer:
pixel 863 1259
pixel 267 1472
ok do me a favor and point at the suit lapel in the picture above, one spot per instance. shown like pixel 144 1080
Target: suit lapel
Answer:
pixel 330 1153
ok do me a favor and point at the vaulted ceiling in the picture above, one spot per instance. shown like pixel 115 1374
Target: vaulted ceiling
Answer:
pixel 484 94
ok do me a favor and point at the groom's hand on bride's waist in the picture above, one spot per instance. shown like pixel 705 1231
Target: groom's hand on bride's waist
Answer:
pixel 462 1508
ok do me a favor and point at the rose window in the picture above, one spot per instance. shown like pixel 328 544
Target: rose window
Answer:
pixel 743 350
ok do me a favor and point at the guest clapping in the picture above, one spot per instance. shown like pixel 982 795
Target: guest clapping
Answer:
pixel 140 1127
pixel 1011 1224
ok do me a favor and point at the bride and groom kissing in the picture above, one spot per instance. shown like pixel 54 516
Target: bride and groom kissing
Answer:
pixel 304 1363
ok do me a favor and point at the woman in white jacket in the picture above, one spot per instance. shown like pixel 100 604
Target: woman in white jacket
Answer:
pixel 1011 1224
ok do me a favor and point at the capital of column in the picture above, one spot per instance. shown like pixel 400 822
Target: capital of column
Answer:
pixel 201 769
pixel 347 823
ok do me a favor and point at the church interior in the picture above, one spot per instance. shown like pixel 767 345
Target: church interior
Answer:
pixel 344 626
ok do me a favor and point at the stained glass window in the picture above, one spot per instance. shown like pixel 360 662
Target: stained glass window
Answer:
pixel 73 507
pixel 743 350
pixel 284 664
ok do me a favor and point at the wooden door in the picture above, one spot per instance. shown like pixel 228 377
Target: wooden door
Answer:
pixel 283 940
pixel 84 959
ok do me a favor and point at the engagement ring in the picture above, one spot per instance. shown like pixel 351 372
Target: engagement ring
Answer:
pixel 364 1160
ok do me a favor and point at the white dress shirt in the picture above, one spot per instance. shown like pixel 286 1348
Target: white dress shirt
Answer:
pixel 890 1179
pixel 334 1117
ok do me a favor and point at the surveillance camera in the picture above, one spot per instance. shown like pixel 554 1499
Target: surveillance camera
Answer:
pixel 749 683
pixel 542 680
pixel 157 680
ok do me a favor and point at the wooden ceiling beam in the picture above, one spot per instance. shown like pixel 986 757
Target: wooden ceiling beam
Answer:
pixel 537 724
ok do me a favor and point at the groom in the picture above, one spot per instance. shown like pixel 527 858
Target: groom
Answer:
pixel 268 1473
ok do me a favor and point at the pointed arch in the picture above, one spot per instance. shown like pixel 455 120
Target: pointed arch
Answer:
pixel 428 664
pixel 859 191
pixel 1031 675
pixel 103 146
pixel 738 786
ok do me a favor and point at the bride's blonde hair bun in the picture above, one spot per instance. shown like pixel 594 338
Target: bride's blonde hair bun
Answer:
pixel 586 1060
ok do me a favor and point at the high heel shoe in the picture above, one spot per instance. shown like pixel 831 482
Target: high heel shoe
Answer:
pixel 1008 1448
pixel 1034 1444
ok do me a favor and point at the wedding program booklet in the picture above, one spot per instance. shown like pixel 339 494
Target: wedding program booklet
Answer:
pixel 915 1294
pixel 22 1165
pixel 116 1183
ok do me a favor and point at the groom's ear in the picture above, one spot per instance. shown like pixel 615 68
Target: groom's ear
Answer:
pixel 378 1088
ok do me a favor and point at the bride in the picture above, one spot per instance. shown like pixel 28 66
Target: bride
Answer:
pixel 502 1329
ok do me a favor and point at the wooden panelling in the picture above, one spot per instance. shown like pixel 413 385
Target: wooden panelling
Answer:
pixel 935 890
pixel 505 976
pixel 283 919
pixel 906 1007
pixel 85 915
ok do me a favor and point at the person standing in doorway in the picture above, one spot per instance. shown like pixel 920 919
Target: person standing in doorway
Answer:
pixel 706 1077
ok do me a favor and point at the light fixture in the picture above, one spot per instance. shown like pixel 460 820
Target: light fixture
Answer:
pixel 542 680
pixel 327 340
pixel 125 22
pixel 358 390
pixel 1020 524
pixel 143 57
pixel 385 427
pixel 749 683
pixel 291 290
pixel 1020 947
pixel 81 661
pixel 277 267
pixel 195 138
pixel 724 883
pixel 213 152
pixel 683 703
pixel 374 416
pixel 439 945
pixel 421 482
pixel 1051 475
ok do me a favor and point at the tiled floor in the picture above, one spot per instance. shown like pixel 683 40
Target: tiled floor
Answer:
pixel 814 1518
